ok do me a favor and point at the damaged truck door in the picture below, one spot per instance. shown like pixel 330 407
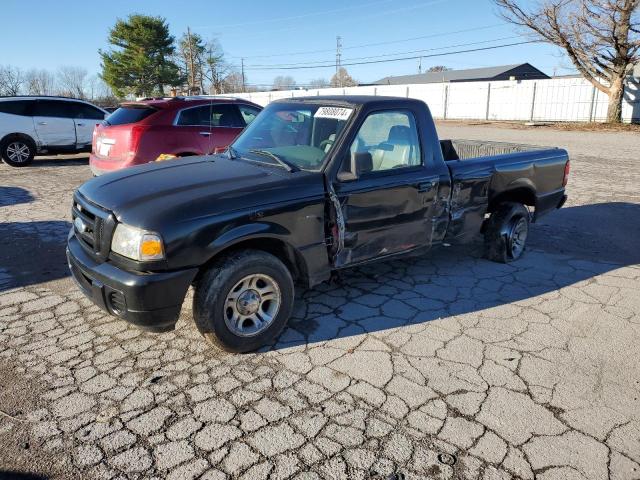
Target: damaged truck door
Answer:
pixel 387 187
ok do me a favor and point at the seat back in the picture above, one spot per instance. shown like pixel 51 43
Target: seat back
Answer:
pixel 395 151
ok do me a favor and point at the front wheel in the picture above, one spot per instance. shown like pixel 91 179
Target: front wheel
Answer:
pixel 18 151
pixel 243 301
pixel 506 232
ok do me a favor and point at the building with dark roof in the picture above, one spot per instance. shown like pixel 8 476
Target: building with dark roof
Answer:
pixel 523 71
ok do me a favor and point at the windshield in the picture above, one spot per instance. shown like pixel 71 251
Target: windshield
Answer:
pixel 299 136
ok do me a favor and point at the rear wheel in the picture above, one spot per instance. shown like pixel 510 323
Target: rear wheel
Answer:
pixel 243 301
pixel 506 232
pixel 18 151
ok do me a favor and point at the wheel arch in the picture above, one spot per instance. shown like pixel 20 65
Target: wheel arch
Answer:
pixel 520 192
pixel 24 136
pixel 263 241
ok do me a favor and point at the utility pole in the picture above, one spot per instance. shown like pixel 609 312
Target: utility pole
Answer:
pixel 338 55
pixel 420 65
pixel 192 71
pixel 242 69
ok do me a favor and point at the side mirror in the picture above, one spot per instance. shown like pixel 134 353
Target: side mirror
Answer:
pixel 346 176
pixel 360 162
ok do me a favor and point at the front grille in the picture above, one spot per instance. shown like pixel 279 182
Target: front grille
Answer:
pixel 93 226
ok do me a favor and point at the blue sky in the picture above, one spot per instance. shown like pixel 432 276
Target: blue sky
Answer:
pixel 70 32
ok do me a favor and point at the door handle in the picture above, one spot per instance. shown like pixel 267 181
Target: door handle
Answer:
pixel 81 124
pixel 424 186
pixel 42 123
pixel 205 134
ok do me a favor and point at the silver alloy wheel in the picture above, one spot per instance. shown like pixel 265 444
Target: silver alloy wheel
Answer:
pixel 252 305
pixel 18 152
pixel 518 237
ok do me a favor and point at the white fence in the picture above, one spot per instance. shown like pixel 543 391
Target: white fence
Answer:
pixel 554 100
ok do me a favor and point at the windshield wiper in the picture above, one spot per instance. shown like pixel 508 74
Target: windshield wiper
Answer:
pixel 290 167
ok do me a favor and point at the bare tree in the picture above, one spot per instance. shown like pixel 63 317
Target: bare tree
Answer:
pixel 283 82
pixel 39 82
pixel 600 37
pixel 343 79
pixel 11 80
pixel 232 83
pixel 216 69
pixel 72 81
pixel 319 83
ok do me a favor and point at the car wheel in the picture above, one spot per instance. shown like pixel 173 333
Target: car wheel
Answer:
pixel 18 151
pixel 506 233
pixel 243 301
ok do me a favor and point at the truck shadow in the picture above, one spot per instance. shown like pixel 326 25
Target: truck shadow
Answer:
pixel 566 247
pixel 32 252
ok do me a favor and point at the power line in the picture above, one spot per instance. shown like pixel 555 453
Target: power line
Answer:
pixel 376 44
pixel 386 54
pixel 396 59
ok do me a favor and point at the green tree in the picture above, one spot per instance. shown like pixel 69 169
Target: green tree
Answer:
pixel 141 61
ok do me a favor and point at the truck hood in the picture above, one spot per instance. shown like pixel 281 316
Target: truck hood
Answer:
pixel 176 191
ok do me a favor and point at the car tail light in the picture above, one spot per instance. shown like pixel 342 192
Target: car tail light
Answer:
pixel 136 134
pixel 567 169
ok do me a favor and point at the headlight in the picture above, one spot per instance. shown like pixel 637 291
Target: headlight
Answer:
pixel 137 244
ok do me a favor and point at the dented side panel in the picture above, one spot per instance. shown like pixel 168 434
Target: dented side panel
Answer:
pixel 478 182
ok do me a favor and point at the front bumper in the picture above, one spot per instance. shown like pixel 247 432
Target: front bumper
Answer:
pixel 151 301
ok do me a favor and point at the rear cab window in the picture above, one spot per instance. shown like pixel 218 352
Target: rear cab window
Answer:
pixel 130 114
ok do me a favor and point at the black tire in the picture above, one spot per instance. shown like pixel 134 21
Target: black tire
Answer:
pixel 211 312
pixel 506 232
pixel 13 149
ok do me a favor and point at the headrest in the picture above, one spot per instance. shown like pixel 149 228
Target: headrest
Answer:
pixel 399 134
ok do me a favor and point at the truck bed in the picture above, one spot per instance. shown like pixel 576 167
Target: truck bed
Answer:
pixel 459 149
pixel 486 173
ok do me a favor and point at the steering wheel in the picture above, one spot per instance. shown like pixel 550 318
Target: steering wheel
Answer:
pixel 324 143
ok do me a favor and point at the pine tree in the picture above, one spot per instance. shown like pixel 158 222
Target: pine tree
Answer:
pixel 140 64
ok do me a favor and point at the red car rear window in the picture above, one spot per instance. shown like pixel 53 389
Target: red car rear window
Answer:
pixel 129 114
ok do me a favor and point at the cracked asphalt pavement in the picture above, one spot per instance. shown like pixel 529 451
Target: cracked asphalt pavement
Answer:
pixel 437 367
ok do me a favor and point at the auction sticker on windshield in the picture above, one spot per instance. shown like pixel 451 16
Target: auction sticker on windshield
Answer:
pixel 337 113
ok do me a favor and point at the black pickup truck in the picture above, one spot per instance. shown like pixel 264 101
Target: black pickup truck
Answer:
pixel 312 186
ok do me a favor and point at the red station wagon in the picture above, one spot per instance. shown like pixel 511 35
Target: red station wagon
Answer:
pixel 148 130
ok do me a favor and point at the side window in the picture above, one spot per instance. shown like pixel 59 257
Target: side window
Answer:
pixel 225 115
pixel 54 108
pixel 16 107
pixel 248 113
pixel 195 116
pixel 391 138
pixel 87 111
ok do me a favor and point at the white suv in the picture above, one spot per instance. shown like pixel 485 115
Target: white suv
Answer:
pixel 38 125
